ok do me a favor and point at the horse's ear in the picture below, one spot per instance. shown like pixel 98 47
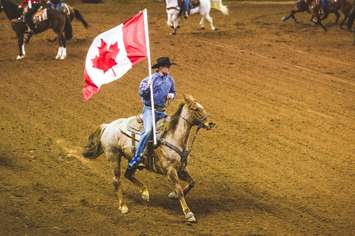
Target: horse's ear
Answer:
pixel 189 99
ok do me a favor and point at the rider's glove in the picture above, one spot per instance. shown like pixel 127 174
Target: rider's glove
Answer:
pixel 171 96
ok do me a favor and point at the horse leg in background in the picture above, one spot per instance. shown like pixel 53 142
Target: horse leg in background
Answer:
pixel 62 53
pixel 173 177
pixel 337 14
pixel 291 15
pixel 210 20
pixel 301 6
pixel 185 176
pixel 319 22
pixel 143 189
pixel 343 21
pixel 21 46
pixel 175 22
pixel 202 23
pixel 117 183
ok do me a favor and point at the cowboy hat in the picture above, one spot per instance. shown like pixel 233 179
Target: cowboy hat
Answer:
pixel 162 62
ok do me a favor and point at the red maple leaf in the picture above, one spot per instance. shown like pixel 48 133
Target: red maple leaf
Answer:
pixel 106 58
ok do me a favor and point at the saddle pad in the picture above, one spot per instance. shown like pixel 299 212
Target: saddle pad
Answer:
pixel 136 125
pixel 40 15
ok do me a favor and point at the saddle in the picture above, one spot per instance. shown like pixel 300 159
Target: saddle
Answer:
pixel 135 129
pixel 40 15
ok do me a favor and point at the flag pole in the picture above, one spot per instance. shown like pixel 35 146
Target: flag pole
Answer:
pixel 145 14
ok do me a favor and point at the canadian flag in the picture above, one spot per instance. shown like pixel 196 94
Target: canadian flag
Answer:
pixel 114 52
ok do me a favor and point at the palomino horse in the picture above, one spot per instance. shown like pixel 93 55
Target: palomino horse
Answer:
pixel 55 20
pixel 168 159
pixel 173 11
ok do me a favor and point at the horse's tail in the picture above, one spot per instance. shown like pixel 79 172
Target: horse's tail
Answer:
pixel 80 18
pixel 93 148
pixel 218 5
pixel 68 29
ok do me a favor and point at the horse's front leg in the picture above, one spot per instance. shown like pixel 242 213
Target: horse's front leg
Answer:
pixel 117 183
pixel 184 175
pixel 21 46
pixel 173 177
pixel 202 23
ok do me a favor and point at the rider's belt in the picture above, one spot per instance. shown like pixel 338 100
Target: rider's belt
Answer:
pixel 158 108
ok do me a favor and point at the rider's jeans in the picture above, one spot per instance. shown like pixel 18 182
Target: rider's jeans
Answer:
pixel 148 129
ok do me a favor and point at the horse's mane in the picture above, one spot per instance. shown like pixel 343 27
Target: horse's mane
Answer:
pixel 174 119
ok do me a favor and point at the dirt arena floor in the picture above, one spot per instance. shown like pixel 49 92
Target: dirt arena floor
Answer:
pixel 281 161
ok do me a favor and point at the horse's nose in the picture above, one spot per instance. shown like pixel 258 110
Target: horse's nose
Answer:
pixel 210 125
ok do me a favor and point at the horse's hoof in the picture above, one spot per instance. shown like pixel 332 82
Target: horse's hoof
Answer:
pixel 124 209
pixel 190 217
pixel 283 18
pixel 173 33
pixel 145 195
pixel 19 57
pixel 202 28
pixel 172 195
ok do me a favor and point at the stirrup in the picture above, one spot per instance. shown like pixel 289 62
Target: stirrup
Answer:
pixel 140 166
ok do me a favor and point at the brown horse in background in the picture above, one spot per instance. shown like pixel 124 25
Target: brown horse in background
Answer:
pixel 341 5
pixel 318 14
pixel 56 21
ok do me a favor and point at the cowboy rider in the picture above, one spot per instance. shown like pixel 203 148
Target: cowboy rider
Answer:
pixel 55 4
pixel 164 91
pixel 29 7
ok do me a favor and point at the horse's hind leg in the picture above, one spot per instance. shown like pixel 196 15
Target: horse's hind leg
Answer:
pixel 343 21
pixel 185 176
pixel 291 15
pixel 173 177
pixel 62 51
pixel 210 20
pixel 143 189
pixel 21 46
pixel 117 183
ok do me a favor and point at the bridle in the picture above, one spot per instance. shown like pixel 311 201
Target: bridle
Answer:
pixel 184 154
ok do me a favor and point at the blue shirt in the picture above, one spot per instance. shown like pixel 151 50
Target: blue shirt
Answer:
pixel 162 86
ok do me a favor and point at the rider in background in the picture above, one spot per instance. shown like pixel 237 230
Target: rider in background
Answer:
pixel 186 8
pixel 324 5
pixel 55 4
pixel 29 7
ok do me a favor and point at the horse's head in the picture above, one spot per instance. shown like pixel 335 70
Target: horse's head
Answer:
pixel 197 113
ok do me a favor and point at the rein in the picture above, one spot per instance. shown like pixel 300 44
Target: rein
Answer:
pixel 184 153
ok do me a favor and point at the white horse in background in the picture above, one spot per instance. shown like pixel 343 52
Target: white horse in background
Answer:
pixel 173 11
